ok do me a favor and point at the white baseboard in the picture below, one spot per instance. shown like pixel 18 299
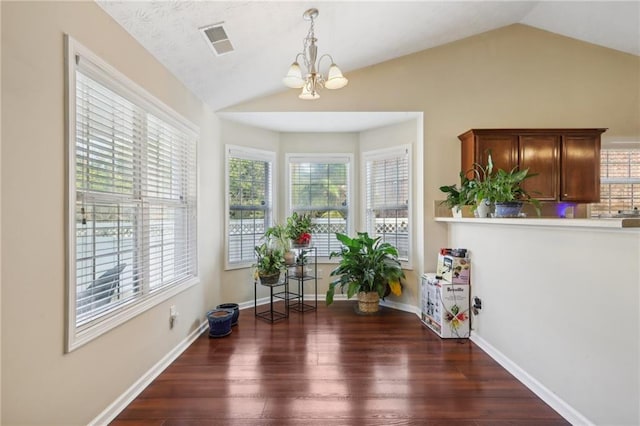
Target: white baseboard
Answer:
pixel 130 394
pixel 401 307
pixel 565 410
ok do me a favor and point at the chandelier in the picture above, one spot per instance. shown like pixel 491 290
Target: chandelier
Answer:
pixel 314 79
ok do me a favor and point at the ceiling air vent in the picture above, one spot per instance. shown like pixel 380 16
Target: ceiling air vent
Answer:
pixel 217 38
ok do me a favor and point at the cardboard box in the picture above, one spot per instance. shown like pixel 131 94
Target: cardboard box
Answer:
pixel 456 270
pixel 445 307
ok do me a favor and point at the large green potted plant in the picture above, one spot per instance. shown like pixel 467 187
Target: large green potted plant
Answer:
pixel 269 263
pixel 368 267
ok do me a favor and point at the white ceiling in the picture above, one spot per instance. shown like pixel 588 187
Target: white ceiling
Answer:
pixel 267 34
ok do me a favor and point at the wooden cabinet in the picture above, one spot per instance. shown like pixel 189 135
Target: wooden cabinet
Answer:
pixel 567 161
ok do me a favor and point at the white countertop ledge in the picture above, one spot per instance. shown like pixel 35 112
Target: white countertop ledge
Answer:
pixel 609 223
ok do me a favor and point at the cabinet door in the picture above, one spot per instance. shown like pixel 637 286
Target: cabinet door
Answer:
pixel 580 162
pixel 503 148
pixel 540 154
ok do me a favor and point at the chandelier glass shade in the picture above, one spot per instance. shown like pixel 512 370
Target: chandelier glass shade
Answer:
pixel 313 79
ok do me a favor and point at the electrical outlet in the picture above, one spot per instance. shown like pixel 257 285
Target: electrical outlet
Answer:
pixel 173 315
pixel 477 305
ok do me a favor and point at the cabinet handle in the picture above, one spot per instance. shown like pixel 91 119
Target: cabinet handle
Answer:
pixel 565 195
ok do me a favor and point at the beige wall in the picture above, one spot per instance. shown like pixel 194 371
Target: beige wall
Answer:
pixel 562 304
pixel 40 383
pixel 516 76
pixel 406 133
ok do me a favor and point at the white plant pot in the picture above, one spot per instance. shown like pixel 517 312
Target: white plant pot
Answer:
pixel 456 212
pixel 483 209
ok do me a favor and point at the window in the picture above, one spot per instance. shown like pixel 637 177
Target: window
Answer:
pixel 132 199
pixel 249 201
pixel 619 181
pixel 319 186
pixel 387 197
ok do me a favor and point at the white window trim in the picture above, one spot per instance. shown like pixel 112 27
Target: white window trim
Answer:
pixel 75 336
pixel 248 154
pixel 325 157
pixel 380 154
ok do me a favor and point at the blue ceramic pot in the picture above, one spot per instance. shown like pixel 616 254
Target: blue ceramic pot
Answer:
pixel 236 311
pixel 220 322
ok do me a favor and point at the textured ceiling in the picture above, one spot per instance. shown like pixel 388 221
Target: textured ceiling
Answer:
pixel 267 34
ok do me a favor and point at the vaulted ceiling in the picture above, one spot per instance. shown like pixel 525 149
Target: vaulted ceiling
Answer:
pixel 266 35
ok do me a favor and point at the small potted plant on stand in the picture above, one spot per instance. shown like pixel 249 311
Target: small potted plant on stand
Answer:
pixel 369 268
pixel 277 236
pixel 298 228
pixel 269 264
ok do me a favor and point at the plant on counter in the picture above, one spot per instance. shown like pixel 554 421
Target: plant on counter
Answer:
pixel 458 197
pixel 501 188
pixel 367 265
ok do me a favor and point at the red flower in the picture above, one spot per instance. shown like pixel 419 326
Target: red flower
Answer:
pixel 303 238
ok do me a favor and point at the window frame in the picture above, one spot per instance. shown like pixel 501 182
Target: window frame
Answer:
pixel 317 158
pixel 605 180
pixel 78 335
pixel 382 154
pixel 247 153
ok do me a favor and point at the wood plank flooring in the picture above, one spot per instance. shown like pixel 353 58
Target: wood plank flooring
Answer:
pixel 335 367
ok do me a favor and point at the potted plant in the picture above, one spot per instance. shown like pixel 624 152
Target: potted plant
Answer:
pixel 301 261
pixel 459 197
pixel 368 267
pixel 277 236
pixel 298 229
pixel 508 195
pixel 502 188
pixel 269 263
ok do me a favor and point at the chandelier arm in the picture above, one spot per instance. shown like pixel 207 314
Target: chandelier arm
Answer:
pixel 326 55
pixel 305 62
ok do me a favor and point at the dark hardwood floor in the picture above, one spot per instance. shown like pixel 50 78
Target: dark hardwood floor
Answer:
pixel 335 367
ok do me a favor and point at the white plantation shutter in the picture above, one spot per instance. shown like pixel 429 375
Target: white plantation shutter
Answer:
pixel 133 189
pixel 249 175
pixel 387 197
pixel 319 186
pixel 619 181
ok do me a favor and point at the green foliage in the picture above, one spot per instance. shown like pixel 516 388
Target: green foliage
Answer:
pixel 501 186
pixel 278 234
pixel 298 224
pixel 463 196
pixel 269 260
pixel 247 188
pixel 366 264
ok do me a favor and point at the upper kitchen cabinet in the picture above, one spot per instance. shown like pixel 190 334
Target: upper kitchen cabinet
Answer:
pixel 566 161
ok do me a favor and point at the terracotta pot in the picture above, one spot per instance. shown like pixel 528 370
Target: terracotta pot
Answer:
pixel 289 258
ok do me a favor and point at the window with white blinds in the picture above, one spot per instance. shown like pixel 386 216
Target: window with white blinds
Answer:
pixel 387 201
pixel 619 181
pixel 320 186
pixel 132 196
pixel 249 175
